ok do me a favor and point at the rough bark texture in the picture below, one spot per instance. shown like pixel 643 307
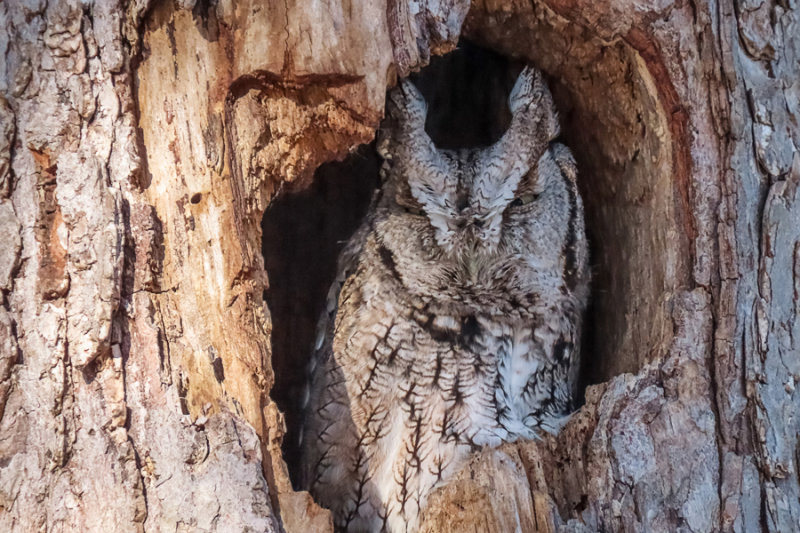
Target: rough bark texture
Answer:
pixel 140 145
pixel 139 148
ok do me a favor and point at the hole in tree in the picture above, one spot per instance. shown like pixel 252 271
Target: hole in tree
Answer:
pixel 303 233
pixel 615 128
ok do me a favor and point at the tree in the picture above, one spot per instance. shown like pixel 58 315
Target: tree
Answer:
pixel 141 144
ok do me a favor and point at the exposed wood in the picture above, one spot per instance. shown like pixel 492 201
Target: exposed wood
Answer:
pixel 139 147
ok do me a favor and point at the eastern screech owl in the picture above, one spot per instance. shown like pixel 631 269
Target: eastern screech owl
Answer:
pixel 455 318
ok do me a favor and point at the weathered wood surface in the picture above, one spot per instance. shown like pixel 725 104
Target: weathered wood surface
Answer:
pixel 140 145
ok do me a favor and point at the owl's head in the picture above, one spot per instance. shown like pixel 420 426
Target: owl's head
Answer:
pixel 481 220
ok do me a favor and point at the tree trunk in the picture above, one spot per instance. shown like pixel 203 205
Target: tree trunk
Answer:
pixel 140 146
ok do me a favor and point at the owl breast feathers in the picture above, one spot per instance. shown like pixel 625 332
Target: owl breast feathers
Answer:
pixel 455 318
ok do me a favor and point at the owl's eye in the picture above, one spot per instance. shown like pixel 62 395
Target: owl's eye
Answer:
pixel 525 199
pixel 413 211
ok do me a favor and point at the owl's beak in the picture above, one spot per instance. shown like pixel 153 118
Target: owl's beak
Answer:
pixel 474 253
pixel 473 267
pixel 470 229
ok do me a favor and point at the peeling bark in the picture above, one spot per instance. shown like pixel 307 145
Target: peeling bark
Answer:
pixel 141 144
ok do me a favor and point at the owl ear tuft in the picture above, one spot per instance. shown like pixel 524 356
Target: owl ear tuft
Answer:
pixel 407 106
pixel 526 90
pixel 531 101
pixel 534 118
pixel 407 111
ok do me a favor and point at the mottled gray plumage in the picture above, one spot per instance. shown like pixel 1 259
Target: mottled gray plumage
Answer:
pixel 455 319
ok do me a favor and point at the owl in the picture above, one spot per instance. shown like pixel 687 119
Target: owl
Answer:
pixel 455 318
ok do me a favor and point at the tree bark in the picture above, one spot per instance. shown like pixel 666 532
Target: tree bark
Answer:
pixel 141 143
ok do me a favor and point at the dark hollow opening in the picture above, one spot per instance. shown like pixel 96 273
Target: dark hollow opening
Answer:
pixel 303 233
pixel 467 92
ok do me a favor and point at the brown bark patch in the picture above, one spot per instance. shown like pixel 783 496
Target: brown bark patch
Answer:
pixel 53 280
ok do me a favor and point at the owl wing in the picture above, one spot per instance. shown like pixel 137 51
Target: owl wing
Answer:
pixel 539 376
pixel 576 269
pixel 325 402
